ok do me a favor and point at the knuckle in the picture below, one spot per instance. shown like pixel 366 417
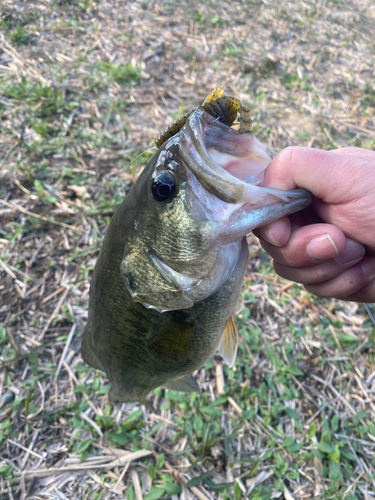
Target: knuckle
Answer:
pixel 289 258
pixel 350 282
pixel 321 273
pixel 285 156
pixel 284 271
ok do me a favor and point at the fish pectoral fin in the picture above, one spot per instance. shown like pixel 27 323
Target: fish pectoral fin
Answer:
pixel 229 341
pixel 173 339
pixel 186 383
pixel 87 352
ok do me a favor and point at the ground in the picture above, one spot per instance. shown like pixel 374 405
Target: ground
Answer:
pixel 85 88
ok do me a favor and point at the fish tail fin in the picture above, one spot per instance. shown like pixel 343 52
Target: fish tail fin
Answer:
pixel 87 352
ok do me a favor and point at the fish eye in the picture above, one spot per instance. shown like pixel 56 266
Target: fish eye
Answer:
pixel 163 186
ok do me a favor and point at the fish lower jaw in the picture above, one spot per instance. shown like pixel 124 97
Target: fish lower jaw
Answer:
pixel 254 194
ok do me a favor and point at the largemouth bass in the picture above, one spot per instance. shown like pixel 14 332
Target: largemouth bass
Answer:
pixel 168 279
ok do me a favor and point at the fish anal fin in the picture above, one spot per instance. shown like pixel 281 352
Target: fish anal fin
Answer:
pixel 87 352
pixel 186 383
pixel 116 397
pixel 229 341
pixel 173 339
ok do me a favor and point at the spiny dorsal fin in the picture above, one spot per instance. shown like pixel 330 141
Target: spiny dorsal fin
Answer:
pixel 229 341
pixel 186 383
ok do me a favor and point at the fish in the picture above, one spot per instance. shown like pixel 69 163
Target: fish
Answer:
pixel 167 283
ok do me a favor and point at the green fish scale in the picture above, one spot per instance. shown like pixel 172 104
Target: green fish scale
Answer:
pixel 180 240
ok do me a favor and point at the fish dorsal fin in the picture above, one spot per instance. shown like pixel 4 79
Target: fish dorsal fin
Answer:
pixel 229 341
pixel 173 339
pixel 186 383
pixel 87 352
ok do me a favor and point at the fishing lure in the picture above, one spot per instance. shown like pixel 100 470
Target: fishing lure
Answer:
pixel 222 107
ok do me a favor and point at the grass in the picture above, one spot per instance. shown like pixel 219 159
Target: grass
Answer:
pixel 85 88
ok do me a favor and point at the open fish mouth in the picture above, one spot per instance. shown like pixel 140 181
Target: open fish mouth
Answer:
pixel 230 165
pixel 190 240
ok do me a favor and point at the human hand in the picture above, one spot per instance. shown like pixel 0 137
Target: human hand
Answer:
pixel 330 246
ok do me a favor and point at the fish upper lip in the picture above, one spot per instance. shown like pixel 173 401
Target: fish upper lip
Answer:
pixel 214 177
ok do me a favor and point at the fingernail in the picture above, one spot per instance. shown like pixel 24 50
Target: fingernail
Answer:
pixel 278 232
pixel 352 252
pixel 321 247
pixel 271 238
pixel 368 267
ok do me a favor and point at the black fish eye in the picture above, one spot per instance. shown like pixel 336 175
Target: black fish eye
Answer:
pixel 163 186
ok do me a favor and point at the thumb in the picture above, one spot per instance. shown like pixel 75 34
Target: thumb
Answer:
pixel 312 169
